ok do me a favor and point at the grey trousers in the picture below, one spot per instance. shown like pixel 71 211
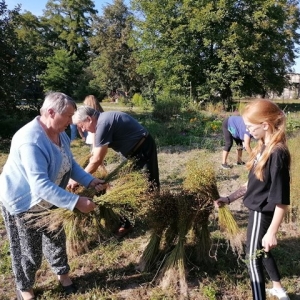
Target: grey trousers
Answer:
pixel 27 246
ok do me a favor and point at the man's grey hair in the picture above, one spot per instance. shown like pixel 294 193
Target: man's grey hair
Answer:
pixel 58 102
pixel 82 113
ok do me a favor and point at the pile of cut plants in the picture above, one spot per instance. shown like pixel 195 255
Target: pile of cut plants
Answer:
pixel 179 220
pixel 127 190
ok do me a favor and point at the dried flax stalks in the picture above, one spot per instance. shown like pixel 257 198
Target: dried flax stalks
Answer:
pixel 206 186
pixel 127 187
pixel 161 210
pixel 173 272
pixel 75 224
pixel 200 180
pixel 171 217
pixel 230 228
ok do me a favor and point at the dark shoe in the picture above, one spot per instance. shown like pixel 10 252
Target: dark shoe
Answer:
pixel 70 289
pixel 226 167
pixel 240 163
pixel 124 227
pixel 20 297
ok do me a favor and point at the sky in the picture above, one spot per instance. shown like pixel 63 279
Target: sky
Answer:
pixel 36 7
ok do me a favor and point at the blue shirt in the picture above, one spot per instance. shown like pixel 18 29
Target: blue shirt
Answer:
pixel 119 131
pixel 31 169
pixel 237 127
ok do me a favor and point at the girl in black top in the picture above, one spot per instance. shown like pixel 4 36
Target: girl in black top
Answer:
pixel 266 194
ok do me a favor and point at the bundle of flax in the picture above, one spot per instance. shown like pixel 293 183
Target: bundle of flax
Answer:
pixel 173 272
pixel 161 210
pixel 125 195
pixel 82 228
pixel 75 224
pixel 230 229
pixel 200 180
pixel 172 216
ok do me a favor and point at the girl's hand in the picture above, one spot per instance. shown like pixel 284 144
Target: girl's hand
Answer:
pixel 269 241
pixel 221 201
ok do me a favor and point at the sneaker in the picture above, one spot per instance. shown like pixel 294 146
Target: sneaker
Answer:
pixel 240 163
pixel 226 167
pixel 278 293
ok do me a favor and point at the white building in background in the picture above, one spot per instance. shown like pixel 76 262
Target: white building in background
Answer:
pixel 292 91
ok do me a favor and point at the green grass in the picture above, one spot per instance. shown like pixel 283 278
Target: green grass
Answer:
pixel 108 270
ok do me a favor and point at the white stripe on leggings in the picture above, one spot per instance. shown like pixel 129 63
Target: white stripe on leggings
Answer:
pixel 252 255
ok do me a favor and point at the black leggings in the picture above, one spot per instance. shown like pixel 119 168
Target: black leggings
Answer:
pixel 258 225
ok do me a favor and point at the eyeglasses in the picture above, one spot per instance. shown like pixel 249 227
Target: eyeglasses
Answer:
pixel 253 127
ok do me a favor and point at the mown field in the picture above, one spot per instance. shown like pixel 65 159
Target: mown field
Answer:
pixel 109 269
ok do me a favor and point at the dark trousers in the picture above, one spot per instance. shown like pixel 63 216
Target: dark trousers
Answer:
pixel 258 225
pixel 146 158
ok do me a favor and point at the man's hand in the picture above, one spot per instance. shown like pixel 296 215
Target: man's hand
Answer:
pixel 85 205
pixel 98 184
pixel 72 184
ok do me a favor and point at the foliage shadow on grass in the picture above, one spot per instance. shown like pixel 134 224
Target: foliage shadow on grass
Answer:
pixel 225 261
pixel 287 256
pixel 119 279
pixel 289 107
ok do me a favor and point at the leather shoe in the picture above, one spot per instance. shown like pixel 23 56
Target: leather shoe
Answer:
pixel 70 289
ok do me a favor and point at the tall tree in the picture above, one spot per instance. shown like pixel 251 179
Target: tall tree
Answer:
pixel 113 64
pixel 220 47
pixel 69 25
pixel 61 67
pixel 34 49
pixel 68 28
pixel 169 51
pixel 11 76
pixel 251 45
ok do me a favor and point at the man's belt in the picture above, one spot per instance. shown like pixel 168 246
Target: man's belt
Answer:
pixel 138 144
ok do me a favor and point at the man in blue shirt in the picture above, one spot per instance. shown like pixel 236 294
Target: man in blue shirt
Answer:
pixel 125 135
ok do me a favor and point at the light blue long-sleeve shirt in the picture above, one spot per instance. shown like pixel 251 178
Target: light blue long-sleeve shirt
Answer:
pixel 31 169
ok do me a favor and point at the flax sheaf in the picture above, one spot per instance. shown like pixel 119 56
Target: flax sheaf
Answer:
pixel 206 186
pixel 125 186
pixel 179 220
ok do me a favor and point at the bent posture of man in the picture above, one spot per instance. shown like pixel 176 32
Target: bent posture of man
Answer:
pixel 122 133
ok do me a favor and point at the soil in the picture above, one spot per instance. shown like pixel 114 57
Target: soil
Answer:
pixel 172 162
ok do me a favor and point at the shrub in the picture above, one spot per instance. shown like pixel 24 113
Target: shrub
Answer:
pixel 167 107
pixel 10 125
pixel 137 99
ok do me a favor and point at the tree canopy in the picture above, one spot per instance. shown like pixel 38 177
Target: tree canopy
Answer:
pixel 221 47
pixel 203 50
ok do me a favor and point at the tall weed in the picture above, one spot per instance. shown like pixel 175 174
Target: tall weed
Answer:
pixel 167 107
pixel 293 214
